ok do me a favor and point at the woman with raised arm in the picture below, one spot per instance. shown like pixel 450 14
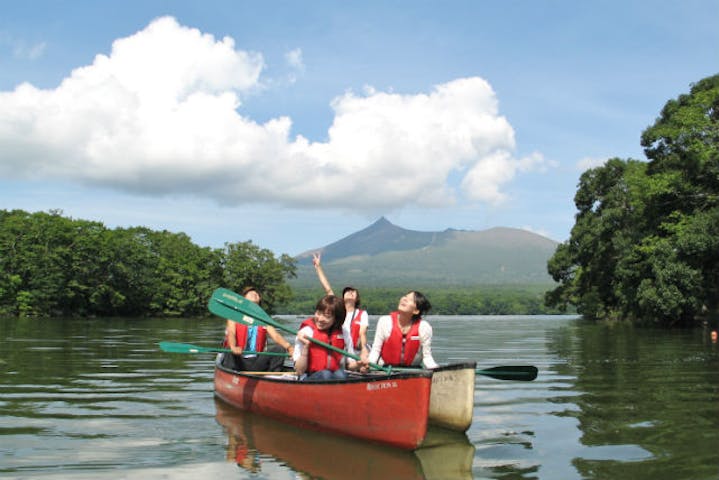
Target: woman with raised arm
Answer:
pixel 356 320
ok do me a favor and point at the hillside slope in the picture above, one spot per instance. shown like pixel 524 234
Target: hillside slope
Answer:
pixel 384 254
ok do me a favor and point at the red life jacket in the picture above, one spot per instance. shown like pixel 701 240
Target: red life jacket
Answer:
pixel 400 349
pixel 241 337
pixel 321 358
pixel 355 328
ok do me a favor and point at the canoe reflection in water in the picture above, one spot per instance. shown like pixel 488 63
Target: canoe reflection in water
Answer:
pixel 444 454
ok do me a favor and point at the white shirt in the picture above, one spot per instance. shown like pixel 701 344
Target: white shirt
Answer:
pixel 384 329
pixel 347 328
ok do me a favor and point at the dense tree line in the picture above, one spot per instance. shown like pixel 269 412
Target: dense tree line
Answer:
pixel 645 243
pixel 51 265
pixel 476 300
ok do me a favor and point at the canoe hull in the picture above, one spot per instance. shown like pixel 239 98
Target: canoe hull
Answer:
pixel 392 410
pixel 452 397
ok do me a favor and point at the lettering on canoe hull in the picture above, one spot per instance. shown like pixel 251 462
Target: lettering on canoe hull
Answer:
pixel 380 386
pixel 446 377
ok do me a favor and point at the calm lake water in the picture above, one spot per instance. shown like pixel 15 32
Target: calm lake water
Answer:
pixel 97 399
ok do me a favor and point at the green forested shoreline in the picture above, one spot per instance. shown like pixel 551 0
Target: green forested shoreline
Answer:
pixel 53 266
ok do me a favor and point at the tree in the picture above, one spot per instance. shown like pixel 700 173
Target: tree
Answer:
pixel 56 266
pixel 644 245
pixel 245 264
pixel 609 207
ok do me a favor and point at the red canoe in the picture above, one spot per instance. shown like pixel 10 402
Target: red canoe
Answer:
pixel 389 409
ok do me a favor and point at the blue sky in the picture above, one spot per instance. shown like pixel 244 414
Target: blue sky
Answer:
pixel 294 124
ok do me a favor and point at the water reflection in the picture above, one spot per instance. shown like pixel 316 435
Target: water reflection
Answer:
pixel 639 398
pixel 252 438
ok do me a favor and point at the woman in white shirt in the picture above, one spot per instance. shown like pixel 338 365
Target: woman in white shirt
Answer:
pixel 401 335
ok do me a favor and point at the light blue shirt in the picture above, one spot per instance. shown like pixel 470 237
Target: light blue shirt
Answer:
pixel 251 344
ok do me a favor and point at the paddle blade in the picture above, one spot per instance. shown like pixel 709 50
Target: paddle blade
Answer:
pixel 238 303
pixel 521 373
pixel 223 308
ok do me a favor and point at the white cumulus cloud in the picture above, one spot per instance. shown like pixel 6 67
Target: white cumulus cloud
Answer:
pixel 162 113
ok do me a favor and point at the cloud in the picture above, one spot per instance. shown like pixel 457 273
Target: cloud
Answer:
pixel 20 48
pixel 29 52
pixel 294 59
pixel 588 162
pixel 162 114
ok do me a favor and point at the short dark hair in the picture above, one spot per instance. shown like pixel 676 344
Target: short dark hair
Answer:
pixel 422 304
pixel 349 288
pixel 249 289
pixel 334 304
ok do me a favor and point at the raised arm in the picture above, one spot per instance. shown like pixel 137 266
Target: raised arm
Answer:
pixel 321 274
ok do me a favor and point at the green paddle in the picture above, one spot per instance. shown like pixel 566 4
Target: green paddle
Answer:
pixel 523 373
pixel 228 304
pixel 173 347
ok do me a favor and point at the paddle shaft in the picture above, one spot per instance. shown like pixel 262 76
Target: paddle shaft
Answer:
pixel 236 305
pixel 174 347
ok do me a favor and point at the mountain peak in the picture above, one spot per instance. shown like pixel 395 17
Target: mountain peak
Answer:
pixel 386 254
pixel 381 221
pixel 379 237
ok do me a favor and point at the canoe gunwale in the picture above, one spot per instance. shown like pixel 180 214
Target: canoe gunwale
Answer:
pixel 353 377
pixel 457 366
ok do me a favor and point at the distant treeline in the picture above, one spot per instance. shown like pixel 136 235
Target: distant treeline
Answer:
pixel 51 265
pixel 54 266
pixel 465 300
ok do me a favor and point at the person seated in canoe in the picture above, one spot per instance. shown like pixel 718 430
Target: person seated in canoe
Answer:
pixel 315 362
pixel 246 340
pixel 356 320
pixel 401 334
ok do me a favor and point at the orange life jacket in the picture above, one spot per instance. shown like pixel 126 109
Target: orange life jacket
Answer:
pixel 355 327
pixel 400 349
pixel 241 332
pixel 321 358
